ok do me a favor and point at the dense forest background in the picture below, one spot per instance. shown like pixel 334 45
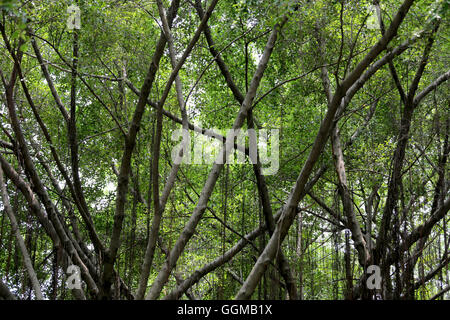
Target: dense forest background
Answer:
pixel 357 92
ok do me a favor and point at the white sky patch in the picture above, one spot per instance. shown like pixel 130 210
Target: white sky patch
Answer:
pixel 192 107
